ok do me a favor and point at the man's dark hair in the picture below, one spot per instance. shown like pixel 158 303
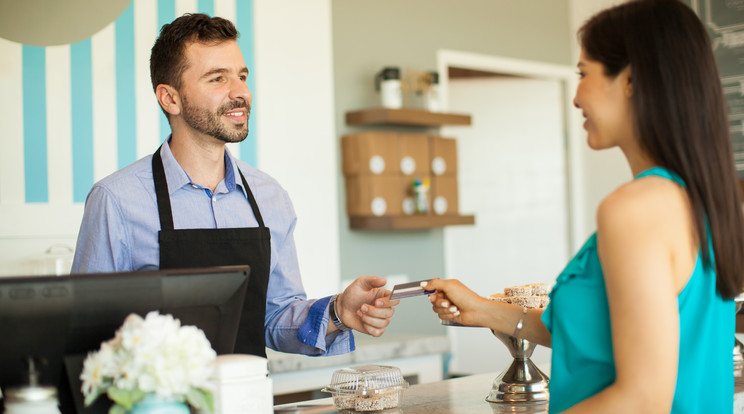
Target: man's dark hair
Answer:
pixel 167 58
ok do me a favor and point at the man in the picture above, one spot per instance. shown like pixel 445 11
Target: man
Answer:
pixel 191 204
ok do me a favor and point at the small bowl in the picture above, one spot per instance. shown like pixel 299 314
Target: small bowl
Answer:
pixel 366 388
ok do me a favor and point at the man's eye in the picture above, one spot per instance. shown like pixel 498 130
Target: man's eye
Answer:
pixel 243 78
pixel 581 74
pixel 217 79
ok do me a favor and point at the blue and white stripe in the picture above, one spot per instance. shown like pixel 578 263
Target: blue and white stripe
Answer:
pixel 73 114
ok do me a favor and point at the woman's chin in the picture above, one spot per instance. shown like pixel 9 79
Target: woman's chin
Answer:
pixel 594 142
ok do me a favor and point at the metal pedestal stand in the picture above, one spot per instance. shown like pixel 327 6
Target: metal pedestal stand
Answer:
pixel 738 346
pixel 522 383
pixel 738 359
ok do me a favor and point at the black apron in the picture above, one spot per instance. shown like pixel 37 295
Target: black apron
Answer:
pixel 191 248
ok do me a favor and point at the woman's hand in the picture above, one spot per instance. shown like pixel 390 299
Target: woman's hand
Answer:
pixel 453 301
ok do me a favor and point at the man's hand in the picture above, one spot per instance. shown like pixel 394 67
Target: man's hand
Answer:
pixel 365 306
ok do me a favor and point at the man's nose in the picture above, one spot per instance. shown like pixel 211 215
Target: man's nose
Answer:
pixel 240 90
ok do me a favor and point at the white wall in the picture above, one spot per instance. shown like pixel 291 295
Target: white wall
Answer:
pixel 296 133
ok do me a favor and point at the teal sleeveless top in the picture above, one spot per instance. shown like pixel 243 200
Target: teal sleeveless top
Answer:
pixel 582 358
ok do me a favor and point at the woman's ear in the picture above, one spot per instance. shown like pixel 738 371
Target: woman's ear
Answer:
pixel 627 80
pixel 168 99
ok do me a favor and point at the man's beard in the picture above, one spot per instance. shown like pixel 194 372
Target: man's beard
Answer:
pixel 211 123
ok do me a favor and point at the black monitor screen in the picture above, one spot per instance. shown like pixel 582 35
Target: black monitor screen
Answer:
pixel 60 319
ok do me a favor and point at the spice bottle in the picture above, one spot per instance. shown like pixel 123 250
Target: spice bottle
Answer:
pixel 421 194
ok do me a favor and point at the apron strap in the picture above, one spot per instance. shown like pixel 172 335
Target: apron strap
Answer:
pixel 161 192
pixel 252 200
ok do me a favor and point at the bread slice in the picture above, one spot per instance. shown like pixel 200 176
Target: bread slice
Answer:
pixel 518 291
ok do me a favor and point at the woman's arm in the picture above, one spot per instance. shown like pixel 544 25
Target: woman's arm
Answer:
pixel 455 302
pixel 635 229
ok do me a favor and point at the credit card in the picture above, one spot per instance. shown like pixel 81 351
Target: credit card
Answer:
pixel 407 290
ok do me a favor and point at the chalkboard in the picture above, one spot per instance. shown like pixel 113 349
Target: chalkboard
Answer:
pixel 724 20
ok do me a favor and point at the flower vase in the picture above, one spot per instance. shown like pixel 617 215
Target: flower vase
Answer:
pixel 153 404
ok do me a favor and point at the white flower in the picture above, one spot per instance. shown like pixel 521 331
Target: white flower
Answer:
pixel 154 354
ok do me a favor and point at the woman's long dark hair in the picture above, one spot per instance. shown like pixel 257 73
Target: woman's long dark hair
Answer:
pixel 680 115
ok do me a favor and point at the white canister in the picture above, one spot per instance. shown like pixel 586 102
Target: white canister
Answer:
pixel 57 260
pixel 32 399
pixel 242 385
pixel 387 82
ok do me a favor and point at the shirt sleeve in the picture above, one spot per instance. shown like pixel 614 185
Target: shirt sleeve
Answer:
pixel 102 241
pixel 293 323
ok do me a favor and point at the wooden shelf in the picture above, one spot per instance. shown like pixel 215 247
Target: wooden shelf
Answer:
pixel 416 117
pixel 407 222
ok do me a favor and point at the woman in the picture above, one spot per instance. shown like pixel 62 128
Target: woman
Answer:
pixel 642 318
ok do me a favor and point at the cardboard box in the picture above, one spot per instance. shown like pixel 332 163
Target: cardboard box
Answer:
pixel 373 195
pixel 408 196
pixel 444 197
pixel 414 154
pixel 443 156
pixel 370 153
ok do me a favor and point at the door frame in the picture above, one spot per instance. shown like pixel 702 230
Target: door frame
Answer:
pixel 573 139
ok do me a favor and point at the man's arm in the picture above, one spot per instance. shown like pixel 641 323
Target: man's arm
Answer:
pixel 102 244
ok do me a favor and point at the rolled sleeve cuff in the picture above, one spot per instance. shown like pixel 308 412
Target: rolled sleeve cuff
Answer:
pixel 316 323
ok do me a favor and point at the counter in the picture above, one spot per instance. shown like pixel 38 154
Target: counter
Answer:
pixel 416 355
pixel 466 395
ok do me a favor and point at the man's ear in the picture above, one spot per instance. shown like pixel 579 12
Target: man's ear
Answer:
pixel 168 98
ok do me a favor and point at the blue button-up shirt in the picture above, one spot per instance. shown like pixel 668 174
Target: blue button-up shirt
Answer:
pixel 120 229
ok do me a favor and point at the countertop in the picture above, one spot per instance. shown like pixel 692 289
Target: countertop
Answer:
pixel 466 395
pixel 368 348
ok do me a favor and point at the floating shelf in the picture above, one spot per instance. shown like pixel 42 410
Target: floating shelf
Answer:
pixel 418 117
pixel 407 222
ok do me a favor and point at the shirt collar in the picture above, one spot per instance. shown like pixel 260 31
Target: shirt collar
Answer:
pixel 177 177
pixel 229 172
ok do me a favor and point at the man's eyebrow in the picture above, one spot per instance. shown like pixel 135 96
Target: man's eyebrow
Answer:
pixel 221 71
pixel 214 71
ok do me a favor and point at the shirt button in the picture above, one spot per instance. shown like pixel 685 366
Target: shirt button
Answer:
pixel 214 199
pixel 194 186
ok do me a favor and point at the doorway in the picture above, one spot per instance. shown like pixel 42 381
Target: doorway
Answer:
pixel 515 169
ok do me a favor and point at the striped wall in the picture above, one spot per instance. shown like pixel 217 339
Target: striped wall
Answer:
pixel 72 114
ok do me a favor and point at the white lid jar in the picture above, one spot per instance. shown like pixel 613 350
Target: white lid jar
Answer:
pixel 31 400
pixel 387 82
pixel 241 385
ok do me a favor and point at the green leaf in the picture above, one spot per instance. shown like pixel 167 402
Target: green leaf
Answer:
pixel 93 395
pixel 117 409
pixel 97 391
pixel 125 398
pixel 200 398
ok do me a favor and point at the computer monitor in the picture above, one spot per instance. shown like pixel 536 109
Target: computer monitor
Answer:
pixel 60 319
